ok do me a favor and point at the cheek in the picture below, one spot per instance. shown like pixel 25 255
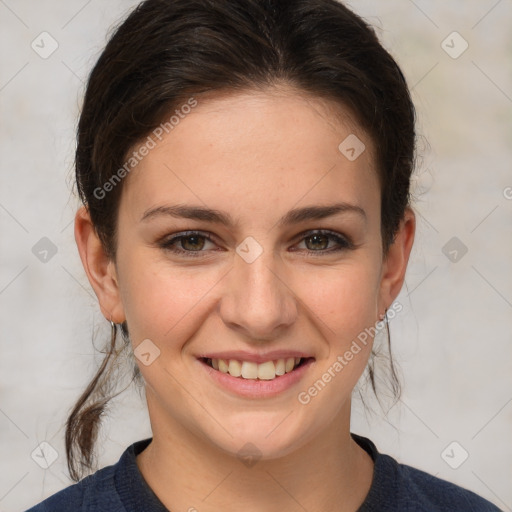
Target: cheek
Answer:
pixel 168 303
pixel 343 298
pixel 163 301
pixel 343 307
pixel 154 304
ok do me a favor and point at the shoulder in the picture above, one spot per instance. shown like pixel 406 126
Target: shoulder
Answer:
pixel 114 488
pixel 95 492
pixel 399 487
pixel 430 493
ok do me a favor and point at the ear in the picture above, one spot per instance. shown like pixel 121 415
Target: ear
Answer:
pixel 100 270
pixel 395 263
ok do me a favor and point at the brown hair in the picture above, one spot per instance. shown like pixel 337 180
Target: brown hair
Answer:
pixel 166 51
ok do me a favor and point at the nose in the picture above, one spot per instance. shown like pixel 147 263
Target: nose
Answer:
pixel 258 301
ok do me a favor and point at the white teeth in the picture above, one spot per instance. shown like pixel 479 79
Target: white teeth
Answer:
pixel 266 371
pixel 234 368
pixel 290 363
pixel 280 367
pixel 223 366
pixel 250 370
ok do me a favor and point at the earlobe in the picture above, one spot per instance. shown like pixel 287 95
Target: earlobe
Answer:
pixel 100 269
pixel 395 264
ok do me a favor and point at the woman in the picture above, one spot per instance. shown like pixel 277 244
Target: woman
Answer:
pixel 244 169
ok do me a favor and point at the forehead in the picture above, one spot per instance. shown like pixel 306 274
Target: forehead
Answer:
pixel 253 150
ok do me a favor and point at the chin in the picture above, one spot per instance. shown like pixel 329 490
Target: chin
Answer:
pixel 262 436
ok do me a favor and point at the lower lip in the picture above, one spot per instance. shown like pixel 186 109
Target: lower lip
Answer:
pixel 255 388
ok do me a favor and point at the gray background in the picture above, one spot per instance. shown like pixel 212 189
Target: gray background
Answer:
pixel 453 341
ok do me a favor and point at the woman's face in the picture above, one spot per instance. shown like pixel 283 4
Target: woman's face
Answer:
pixel 264 288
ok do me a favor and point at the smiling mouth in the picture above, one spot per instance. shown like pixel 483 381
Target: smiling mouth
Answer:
pixel 269 370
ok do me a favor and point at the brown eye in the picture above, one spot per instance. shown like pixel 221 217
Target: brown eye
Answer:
pixel 318 242
pixel 192 243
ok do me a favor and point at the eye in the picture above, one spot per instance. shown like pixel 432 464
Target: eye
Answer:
pixel 190 241
pixel 193 242
pixel 319 241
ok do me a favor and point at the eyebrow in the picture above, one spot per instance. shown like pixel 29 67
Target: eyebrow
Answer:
pixel 295 216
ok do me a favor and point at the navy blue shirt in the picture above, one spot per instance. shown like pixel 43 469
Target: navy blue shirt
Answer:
pixel 395 488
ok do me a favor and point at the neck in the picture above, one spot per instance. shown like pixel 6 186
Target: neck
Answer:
pixel 186 472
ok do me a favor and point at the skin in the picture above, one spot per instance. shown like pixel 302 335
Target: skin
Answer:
pixel 241 153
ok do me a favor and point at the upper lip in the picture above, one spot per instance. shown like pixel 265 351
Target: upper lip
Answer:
pixel 256 357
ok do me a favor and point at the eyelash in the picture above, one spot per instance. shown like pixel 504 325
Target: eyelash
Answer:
pixel 344 242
